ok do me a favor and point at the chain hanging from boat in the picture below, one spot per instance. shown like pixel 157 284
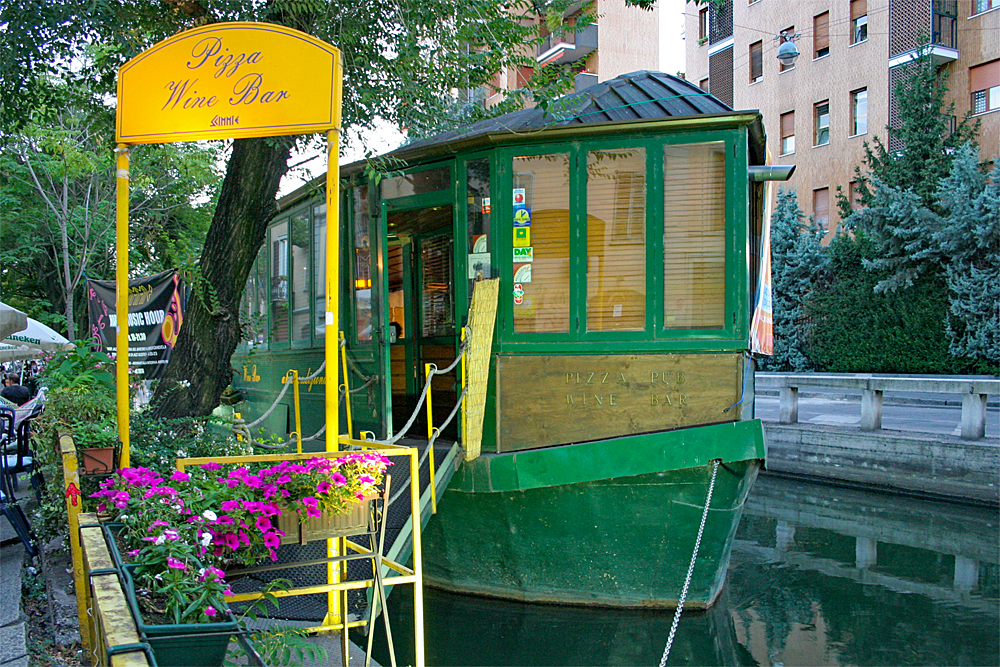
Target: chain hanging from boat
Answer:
pixel 694 559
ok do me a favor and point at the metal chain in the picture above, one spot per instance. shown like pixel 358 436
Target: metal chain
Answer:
pixel 694 558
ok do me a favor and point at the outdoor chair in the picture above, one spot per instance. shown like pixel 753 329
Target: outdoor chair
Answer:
pixel 10 509
pixel 22 459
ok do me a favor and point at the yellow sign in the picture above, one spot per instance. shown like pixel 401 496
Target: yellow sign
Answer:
pixel 522 237
pixel 229 81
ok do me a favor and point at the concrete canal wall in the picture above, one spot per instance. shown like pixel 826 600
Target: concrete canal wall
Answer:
pixel 962 468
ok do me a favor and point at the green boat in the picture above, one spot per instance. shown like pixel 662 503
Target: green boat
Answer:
pixel 614 248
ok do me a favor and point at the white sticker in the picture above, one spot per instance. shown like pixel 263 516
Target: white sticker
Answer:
pixel 524 254
pixel 522 274
pixel 329 318
pixel 479 265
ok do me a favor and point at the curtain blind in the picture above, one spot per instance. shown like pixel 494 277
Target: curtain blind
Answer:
pixel 436 280
pixel 821 32
pixel 616 240
pixel 545 304
pixel 985 76
pixel 756 61
pixel 787 124
pixel 694 236
pixel 859 8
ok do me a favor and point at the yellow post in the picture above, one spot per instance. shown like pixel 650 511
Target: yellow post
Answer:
pixel 464 379
pixel 336 612
pixel 430 437
pixel 293 376
pixel 121 300
pixel 418 562
pixel 74 505
pixel 347 388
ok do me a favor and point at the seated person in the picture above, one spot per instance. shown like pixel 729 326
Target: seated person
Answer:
pixel 14 392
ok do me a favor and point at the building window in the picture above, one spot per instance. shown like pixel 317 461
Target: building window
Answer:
pixel 703 25
pixel 821 207
pixel 703 84
pixel 789 31
pixel 788 133
pixel 853 195
pixel 821 35
pixel 859 21
pixel 980 6
pixel 984 82
pixel 821 113
pixel 859 112
pixel 756 62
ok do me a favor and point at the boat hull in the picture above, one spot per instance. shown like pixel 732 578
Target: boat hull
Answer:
pixel 624 540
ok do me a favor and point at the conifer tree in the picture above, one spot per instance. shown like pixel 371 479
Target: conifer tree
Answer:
pixel 968 239
pixel 798 262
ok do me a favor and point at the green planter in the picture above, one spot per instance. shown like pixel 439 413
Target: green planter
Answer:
pixel 110 530
pixel 186 644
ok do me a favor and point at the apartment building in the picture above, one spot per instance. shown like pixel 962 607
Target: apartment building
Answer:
pixel 819 110
pixel 623 39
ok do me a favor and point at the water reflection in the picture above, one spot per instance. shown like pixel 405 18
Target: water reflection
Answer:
pixel 819 576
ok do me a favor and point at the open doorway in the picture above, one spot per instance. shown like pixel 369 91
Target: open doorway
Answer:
pixel 421 310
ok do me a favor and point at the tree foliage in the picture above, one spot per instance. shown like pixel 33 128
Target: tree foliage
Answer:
pixel 799 264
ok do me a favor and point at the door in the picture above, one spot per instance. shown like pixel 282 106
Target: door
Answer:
pixel 420 314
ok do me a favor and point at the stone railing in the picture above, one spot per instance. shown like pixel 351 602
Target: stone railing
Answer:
pixel 974 391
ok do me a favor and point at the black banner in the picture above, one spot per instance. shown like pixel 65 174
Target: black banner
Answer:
pixel 155 313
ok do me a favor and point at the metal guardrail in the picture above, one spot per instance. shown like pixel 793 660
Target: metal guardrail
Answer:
pixel 974 391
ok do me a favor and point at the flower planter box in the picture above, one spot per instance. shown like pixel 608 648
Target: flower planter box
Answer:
pixel 110 530
pixel 97 460
pixel 353 522
pixel 185 644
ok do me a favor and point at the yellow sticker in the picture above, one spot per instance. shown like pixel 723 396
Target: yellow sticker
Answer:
pixel 522 237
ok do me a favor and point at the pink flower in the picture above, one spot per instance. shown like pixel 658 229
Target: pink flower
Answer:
pixel 101 507
pixel 244 538
pixel 232 541
pixel 211 465
pixel 272 541
pixel 267 509
pixel 210 611
pixel 157 523
pixel 230 505
pixel 339 479
pixel 366 479
pixel 323 487
pixel 309 501
pixel 225 520
pixel 313 511
pixel 263 523
pixel 252 481
pixel 176 564
pixel 179 476
pixel 133 553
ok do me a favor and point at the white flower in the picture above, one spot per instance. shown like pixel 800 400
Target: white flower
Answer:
pixel 123 517
pixel 209 515
pixel 181 454
pixel 206 539
pixel 158 577
pixel 160 540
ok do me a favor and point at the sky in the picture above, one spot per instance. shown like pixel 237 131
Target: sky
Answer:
pixel 386 138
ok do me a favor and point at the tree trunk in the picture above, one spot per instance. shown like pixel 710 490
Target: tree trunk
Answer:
pixel 199 368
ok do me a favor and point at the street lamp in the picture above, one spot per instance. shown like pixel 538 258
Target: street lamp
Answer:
pixel 787 51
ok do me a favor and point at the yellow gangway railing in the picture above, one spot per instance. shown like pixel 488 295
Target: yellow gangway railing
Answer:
pixel 336 587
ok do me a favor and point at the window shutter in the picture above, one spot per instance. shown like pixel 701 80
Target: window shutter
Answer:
pixel 694 236
pixel 983 77
pixel 756 61
pixel 821 206
pixel 821 33
pixel 787 124
pixel 859 8
pixel 616 240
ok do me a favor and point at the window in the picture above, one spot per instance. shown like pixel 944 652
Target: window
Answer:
pixel 361 269
pixel 859 21
pixel 703 84
pixel 694 236
pixel 616 240
pixel 821 113
pixel 703 26
pixel 299 276
pixel 789 31
pixel 984 82
pixel 821 207
pixel 854 195
pixel 756 62
pixel 544 306
pixel 821 35
pixel 859 112
pixel 479 211
pixel 787 133
pixel 279 283
pixel 319 269
pixel 980 6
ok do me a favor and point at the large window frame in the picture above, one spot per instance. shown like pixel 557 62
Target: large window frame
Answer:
pixel 655 336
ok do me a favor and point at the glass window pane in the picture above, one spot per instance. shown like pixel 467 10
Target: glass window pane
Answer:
pixel 616 240
pixel 420 182
pixel 361 269
pixel 479 206
pixel 694 236
pixel 437 309
pixel 260 267
pixel 319 269
pixel 279 283
pixel 299 271
pixel 543 181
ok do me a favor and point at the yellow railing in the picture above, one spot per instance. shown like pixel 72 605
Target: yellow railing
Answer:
pixel 336 587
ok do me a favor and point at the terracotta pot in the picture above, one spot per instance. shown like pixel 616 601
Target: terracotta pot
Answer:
pixel 97 460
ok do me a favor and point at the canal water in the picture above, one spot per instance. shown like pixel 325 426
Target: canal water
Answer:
pixel 820 575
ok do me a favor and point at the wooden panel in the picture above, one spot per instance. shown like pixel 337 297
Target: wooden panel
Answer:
pixel 551 400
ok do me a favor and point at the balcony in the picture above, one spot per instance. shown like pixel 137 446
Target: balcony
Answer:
pixel 911 18
pixel 569 47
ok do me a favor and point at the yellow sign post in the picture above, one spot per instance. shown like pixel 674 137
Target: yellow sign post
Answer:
pixel 232 81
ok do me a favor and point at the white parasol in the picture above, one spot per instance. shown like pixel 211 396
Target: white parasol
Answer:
pixel 12 320
pixel 31 342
